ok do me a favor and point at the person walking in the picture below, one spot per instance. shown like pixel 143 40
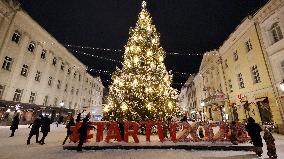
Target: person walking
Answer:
pixel 35 129
pixel 254 130
pixel 68 127
pixel 234 133
pixel 270 143
pixel 45 128
pixel 83 133
pixel 15 124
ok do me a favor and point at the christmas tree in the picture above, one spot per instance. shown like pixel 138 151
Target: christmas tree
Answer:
pixel 141 89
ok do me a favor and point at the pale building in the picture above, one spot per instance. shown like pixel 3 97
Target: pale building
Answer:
pixel 213 98
pixel 270 20
pixel 37 72
pixel 246 75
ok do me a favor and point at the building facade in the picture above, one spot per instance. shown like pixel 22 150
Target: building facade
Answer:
pixel 270 24
pixel 37 70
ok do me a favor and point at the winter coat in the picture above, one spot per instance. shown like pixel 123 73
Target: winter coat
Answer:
pixel 36 125
pixel 83 130
pixel 15 123
pixel 254 130
pixel 68 126
pixel 45 125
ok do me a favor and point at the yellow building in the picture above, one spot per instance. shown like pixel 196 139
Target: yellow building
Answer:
pixel 247 80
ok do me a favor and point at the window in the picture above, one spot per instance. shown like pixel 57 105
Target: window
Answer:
pixel 2 88
pixel 241 81
pixel 32 98
pixel 54 61
pixel 49 81
pixel 70 105
pixel 87 80
pixel 45 101
pixel 72 90
pixel 25 70
pixel 248 45
pixel 16 37
pixel 17 95
pixel 66 88
pixel 230 85
pixel 37 77
pixel 282 66
pixel 62 66
pixel 226 63
pixel 236 57
pixel 55 102
pixel 77 91
pixel 255 74
pixel 75 74
pixel 7 63
pixel 276 32
pixel 43 54
pixel 59 84
pixel 31 47
pixel 79 77
pixel 69 71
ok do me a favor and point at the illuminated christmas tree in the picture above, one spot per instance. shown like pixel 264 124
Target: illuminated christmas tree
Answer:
pixel 141 89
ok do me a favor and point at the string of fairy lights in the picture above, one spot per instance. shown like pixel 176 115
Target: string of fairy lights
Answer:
pixel 90 51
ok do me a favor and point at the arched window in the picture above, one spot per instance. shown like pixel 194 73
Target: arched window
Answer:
pixel 276 32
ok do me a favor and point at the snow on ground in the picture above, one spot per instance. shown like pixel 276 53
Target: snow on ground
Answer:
pixel 15 148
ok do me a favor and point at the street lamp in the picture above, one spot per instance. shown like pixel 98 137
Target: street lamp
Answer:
pixel 281 85
pixel 61 104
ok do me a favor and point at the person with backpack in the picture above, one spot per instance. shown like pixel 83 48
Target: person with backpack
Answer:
pixel 35 129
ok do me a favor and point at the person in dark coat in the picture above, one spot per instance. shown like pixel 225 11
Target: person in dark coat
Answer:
pixel 35 129
pixel 254 130
pixel 45 128
pixel 270 143
pixel 83 133
pixel 15 124
pixel 68 127
pixel 234 133
pixel 78 119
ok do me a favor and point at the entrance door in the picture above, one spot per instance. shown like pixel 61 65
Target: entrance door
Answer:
pixel 264 111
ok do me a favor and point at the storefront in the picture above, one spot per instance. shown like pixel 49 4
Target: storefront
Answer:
pixel 28 112
pixel 215 107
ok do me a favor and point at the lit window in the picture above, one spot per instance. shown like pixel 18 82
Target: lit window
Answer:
pixel 7 63
pixel 38 75
pixel 17 95
pixel 75 74
pixel 255 74
pixel 43 54
pixel 69 71
pixel 54 61
pixel 32 98
pixel 31 47
pixel 25 70
pixel 236 57
pixel 276 32
pixel 248 45
pixel 241 81
pixel 16 37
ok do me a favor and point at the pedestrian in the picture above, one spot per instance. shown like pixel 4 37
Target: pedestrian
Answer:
pixel 234 133
pixel 68 127
pixel 45 128
pixel 254 130
pixel 35 129
pixel 15 124
pixel 83 133
pixel 121 128
pixel 200 132
pixel 270 143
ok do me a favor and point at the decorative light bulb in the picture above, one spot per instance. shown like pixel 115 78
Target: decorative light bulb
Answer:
pixel 170 104
pixel 135 59
pixel 161 58
pixel 149 53
pixel 124 106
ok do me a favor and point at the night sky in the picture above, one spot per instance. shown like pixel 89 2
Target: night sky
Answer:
pixel 186 26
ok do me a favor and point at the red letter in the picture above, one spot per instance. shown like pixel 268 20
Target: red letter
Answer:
pixel 100 129
pixel 133 132
pixel 160 131
pixel 148 125
pixel 173 128
pixel 113 132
